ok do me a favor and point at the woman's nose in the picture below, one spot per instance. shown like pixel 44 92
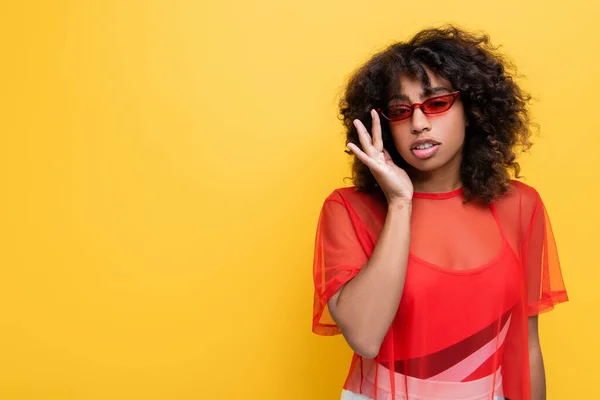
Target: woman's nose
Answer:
pixel 419 121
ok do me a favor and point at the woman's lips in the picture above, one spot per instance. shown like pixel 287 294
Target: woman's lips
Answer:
pixel 424 154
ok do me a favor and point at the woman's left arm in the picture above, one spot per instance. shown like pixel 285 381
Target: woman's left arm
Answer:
pixel 536 362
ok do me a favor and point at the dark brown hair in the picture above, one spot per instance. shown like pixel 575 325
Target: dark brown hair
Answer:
pixel 495 107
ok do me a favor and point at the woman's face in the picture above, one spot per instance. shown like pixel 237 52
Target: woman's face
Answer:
pixel 428 142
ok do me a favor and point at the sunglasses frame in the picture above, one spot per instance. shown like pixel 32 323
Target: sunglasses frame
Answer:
pixel 453 95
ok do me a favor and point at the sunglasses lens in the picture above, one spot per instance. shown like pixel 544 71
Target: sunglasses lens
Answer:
pixel 398 113
pixel 438 104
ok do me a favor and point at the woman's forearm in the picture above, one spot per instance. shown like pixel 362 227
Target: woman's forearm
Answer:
pixel 365 307
pixel 536 362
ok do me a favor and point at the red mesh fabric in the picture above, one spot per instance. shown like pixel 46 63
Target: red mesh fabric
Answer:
pixel 474 274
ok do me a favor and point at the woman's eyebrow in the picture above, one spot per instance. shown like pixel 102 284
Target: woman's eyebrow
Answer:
pixel 425 93
pixel 399 96
pixel 434 90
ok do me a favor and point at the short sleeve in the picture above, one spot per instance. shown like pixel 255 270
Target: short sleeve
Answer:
pixel 545 285
pixel 338 257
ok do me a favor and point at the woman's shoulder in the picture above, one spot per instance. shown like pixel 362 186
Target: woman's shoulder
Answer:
pixel 366 206
pixel 351 195
pixel 523 189
pixel 519 195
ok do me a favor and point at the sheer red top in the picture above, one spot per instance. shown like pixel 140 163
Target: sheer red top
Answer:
pixel 475 273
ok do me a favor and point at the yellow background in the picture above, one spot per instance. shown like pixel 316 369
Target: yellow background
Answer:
pixel 163 165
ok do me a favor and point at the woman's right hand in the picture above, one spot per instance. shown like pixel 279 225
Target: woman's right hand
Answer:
pixel 393 180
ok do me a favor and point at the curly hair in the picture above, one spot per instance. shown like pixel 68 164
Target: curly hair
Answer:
pixel 495 106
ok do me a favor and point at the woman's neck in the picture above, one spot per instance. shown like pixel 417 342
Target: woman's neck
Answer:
pixel 442 180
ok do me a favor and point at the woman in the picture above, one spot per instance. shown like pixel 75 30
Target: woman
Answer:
pixel 435 265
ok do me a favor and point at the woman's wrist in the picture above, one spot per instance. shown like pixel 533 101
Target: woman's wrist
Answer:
pixel 400 205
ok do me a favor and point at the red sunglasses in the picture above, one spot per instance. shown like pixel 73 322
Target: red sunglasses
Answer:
pixel 433 105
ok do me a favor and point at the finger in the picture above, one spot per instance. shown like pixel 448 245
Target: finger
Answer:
pixel 368 161
pixel 386 155
pixel 376 131
pixel 365 138
pixel 388 158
